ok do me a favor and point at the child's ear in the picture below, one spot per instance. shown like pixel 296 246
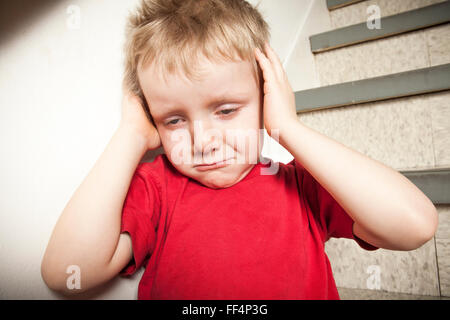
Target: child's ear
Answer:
pixel 152 121
pixel 147 109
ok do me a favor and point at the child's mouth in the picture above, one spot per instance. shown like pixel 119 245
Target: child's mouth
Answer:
pixel 215 165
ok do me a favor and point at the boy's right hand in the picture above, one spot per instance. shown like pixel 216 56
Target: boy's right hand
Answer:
pixel 135 118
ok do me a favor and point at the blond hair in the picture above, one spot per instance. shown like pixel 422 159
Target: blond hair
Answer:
pixel 174 34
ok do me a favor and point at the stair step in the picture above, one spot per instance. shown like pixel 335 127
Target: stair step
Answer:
pixel 374 294
pixel 392 25
pixel 405 52
pixel 434 183
pixel 358 12
pixel 403 84
pixel 335 4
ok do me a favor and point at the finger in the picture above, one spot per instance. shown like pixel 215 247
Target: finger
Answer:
pixel 265 64
pixel 273 57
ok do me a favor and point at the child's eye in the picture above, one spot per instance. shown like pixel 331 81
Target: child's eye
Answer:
pixel 224 112
pixel 227 111
pixel 172 122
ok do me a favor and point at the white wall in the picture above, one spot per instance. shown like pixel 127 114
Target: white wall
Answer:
pixel 60 104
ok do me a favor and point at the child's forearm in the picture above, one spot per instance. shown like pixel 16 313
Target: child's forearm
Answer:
pixel 389 211
pixel 88 230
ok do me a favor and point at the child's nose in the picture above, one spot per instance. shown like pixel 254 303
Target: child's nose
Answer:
pixel 207 148
pixel 206 138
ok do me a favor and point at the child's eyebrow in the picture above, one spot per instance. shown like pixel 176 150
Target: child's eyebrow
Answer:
pixel 211 103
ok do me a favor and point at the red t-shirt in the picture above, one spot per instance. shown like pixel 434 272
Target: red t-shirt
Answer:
pixel 262 238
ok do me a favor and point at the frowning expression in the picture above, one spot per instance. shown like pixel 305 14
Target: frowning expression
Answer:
pixel 215 120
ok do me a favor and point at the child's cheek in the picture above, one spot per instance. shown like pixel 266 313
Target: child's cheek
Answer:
pixel 177 145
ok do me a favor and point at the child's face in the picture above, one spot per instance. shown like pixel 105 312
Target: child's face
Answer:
pixel 200 121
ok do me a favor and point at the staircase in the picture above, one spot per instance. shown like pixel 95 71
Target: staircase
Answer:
pixel 385 92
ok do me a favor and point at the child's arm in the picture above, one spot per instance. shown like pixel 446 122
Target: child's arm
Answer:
pixel 388 210
pixel 87 233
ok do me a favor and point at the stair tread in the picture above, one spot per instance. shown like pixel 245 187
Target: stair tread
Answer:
pixel 403 84
pixel 391 25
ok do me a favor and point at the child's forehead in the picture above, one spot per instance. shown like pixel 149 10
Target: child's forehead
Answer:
pixel 203 70
pixel 164 105
pixel 225 80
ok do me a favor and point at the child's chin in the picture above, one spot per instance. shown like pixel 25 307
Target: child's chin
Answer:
pixel 217 180
pixel 215 186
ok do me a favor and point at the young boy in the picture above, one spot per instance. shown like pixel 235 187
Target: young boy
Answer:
pixel 207 219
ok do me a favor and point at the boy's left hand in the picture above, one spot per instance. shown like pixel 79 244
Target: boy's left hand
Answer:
pixel 279 99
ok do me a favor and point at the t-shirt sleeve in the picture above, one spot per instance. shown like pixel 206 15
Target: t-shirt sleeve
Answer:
pixel 139 213
pixel 333 220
